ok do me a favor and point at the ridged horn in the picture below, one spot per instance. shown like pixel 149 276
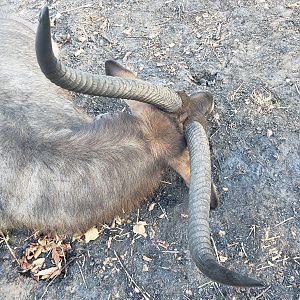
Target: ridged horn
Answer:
pixel 97 85
pixel 199 205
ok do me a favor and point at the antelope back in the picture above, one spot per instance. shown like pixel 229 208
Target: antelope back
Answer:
pixel 24 89
pixel 59 170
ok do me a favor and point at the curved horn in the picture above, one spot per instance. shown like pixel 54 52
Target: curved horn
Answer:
pixel 199 203
pixel 86 83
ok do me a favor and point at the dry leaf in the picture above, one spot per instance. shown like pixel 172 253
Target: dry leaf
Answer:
pixel 55 248
pixel 145 268
pixel 55 273
pixel 37 265
pixel 151 206
pixel 107 261
pixel 55 255
pixel 118 220
pixel 38 251
pixel 46 272
pixel 151 232
pixel 43 242
pixel 146 258
pixel 24 264
pixel 222 258
pixel 139 228
pixel 293 5
pixel 221 233
pixel 38 262
pixel 91 234
pixel 163 244
pixel 76 237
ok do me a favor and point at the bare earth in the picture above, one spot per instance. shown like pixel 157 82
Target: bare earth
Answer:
pixel 247 54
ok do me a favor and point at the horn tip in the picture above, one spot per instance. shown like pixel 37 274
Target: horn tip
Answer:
pixel 258 283
pixel 44 14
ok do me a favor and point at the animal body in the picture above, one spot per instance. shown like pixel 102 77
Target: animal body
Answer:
pixel 58 161
pixel 61 170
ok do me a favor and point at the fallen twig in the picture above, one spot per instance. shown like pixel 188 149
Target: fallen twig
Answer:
pixel 252 230
pixel 243 249
pixel 218 33
pixel 284 221
pixel 216 286
pixel 262 293
pixel 271 238
pixel 163 211
pixel 144 294
pixel 232 97
pixel 295 259
pixel 297 89
pixel 9 248
pixel 205 284
pixel 215 248
pixel 166 182
pixel 81 274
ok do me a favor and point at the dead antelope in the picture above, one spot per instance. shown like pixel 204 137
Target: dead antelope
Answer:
pixel 63 171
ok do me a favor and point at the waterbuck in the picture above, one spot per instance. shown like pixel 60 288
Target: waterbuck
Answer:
pixel 60 170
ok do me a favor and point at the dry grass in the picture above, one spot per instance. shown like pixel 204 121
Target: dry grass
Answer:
pixel 263 100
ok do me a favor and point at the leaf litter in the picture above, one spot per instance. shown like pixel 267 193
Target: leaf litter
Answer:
pixel 45 256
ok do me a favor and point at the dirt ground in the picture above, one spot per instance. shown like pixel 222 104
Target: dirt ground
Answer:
pixel 247 54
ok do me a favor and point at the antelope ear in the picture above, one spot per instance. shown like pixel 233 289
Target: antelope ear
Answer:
pixel 112 68
pixel 204 99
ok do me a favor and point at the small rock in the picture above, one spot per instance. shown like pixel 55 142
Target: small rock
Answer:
pixel 151 206
pixel 128 31
pixel 269 133
pixel 216 116
pixel 189 292
pixel 145 268
pixel 221 233
pixel 78 52
pixel 82 38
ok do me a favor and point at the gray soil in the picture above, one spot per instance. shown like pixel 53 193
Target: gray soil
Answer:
pixel 246 53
